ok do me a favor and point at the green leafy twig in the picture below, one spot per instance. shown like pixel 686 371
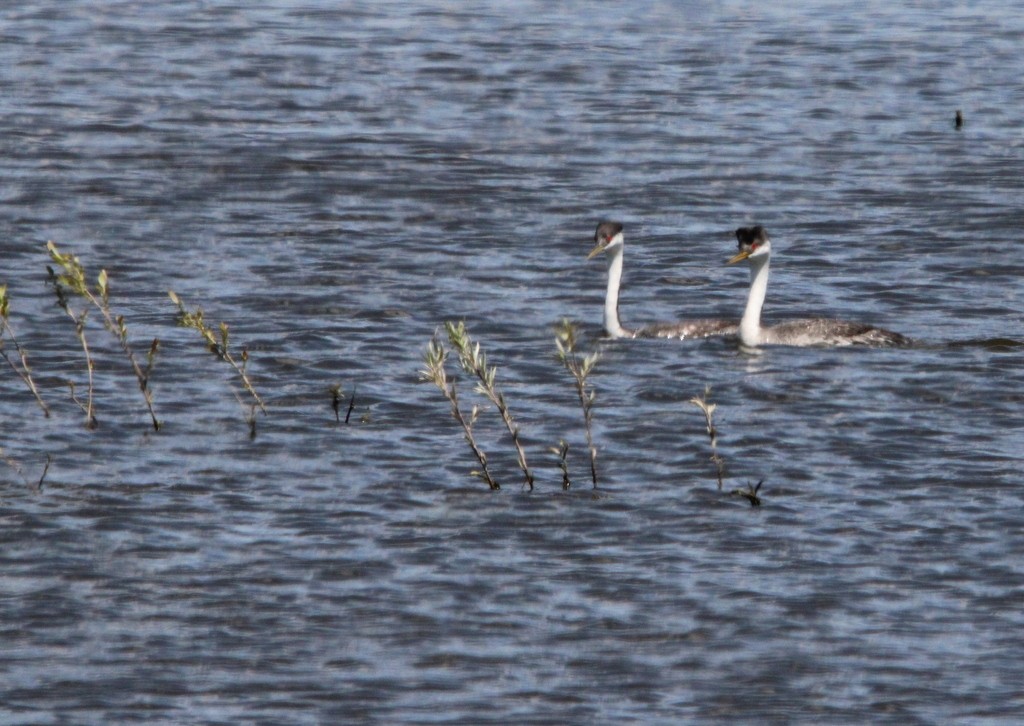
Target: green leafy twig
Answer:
pixel 435 372
pixel 78 318
pixel 23 370
pixel 565 340
pixel 474 362
pixel 219 346
pixel 701 402
pixel 73 278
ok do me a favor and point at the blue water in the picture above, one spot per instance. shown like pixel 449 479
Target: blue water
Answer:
pixel 335 182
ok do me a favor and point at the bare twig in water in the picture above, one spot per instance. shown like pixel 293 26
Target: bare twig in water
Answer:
pixel 38 486
pixel 42 477
pixel 565 340
pixel 73 278
pixel 22 369
pixel 709 410
pixel 750 493
pixel 474 362
pixel 251 419
pixel 352 405
pixel 435 372
pixel 337 396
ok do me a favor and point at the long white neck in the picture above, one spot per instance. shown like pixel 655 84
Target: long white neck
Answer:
pixel 750 325
pixel 611 298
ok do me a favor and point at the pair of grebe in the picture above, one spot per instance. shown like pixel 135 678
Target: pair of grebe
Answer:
pixel 755 248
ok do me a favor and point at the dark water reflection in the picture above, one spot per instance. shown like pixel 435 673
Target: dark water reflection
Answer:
pixel 337 182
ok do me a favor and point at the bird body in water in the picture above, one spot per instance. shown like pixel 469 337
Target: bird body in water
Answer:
pixel 609 239
pixel 755 248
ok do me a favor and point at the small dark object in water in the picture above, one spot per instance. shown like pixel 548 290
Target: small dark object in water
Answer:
pixel 351 404
pixel 959 119
pixel 750 493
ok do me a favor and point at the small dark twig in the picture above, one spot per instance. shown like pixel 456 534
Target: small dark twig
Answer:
pixel 17 468
pixel 251 418
pixel 46 468
pixel 351 404
pixel 750 493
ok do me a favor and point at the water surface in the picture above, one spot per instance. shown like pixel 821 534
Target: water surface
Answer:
pixel 335 183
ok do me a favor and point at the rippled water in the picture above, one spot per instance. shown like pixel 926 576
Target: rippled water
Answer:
pixel 335 182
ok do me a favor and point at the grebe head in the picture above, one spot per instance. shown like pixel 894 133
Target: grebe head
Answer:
pixel 607 237
pixel 753 243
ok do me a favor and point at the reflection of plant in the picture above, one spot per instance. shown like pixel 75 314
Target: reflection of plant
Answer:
pixel 436 373
pixel 22 369
pixel 709 410
pixel 565 340
pixel 219 346
pixel 474 362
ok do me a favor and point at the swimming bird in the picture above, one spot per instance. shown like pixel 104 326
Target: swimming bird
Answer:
pixel 609 239
pixel 756 249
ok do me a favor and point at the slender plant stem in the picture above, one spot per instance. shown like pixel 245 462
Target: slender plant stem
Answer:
pixel 218 345
pixel 73 278
pixel 565 341
pixel 24 371
pixel 436 372
pixel 335 391
pixel 562 452
pixel 708 409
pixel 38 486
pixel 79 320
pixel 474 362
pixel 351 404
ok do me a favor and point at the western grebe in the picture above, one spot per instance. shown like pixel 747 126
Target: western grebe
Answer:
pixel 756 249
pixel 609 239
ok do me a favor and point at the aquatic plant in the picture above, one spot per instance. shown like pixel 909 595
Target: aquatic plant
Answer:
pixel 565 341
pixel 708 409
pixel 562 452
pixel 16 467
pixel 750 493
pixel 21 367
pixel 474 362
pixel 219 345
pixel 435 371
pixel 73 279
pixel 88 407
pixel 337 396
